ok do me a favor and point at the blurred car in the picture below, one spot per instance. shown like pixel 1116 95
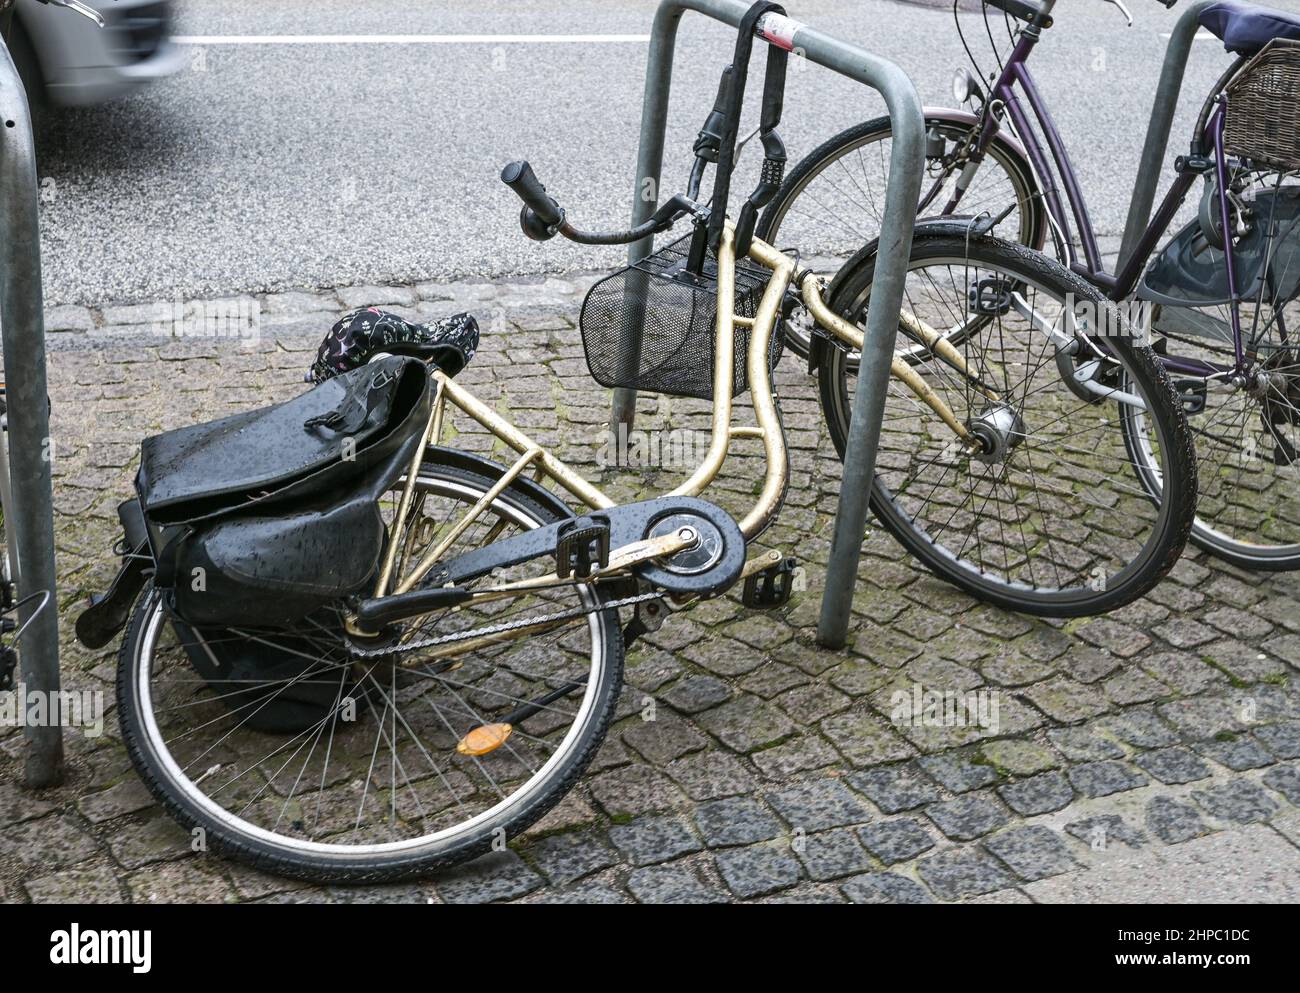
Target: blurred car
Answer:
pixel 66 60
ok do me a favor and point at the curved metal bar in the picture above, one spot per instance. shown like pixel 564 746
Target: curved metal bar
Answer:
pixel 906 168
pixel 1152 162
pixel 30 521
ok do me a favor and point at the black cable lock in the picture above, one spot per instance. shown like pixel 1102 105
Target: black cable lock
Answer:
pixel 773 149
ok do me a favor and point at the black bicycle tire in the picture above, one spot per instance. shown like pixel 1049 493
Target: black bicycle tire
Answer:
pixel 1176 513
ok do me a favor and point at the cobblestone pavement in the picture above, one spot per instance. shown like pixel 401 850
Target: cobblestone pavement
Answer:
pixel 1146 754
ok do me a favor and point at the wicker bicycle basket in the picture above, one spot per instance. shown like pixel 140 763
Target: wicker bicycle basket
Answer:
pixel 1263 116
pixel 675 313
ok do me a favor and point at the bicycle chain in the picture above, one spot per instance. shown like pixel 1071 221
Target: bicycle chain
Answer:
pixel 447 639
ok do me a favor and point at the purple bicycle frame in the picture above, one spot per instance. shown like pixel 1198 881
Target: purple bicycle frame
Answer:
pixel 1118 286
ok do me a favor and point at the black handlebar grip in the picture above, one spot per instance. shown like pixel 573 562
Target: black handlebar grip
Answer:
pixel 519 177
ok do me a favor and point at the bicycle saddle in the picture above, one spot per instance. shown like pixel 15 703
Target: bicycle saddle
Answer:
pixel 1245 28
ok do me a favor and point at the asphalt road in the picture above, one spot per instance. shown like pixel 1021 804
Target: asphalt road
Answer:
pixel 264 167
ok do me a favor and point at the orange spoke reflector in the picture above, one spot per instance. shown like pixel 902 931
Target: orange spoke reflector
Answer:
pixel 485 738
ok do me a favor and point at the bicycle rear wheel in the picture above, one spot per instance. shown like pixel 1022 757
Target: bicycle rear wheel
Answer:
pixel 1046 516
pixel 309 761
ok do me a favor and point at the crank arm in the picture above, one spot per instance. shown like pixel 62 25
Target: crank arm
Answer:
pixel 375 613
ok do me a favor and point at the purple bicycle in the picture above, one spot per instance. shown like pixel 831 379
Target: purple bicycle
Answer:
pixel 1220 294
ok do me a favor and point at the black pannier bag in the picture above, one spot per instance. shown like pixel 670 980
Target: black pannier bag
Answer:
pixel 262 519
pixel 268 515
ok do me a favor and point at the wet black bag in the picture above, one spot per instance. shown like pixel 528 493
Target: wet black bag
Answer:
pixel 261 518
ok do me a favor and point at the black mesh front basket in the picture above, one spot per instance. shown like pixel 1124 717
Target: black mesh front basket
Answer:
pixel 676 313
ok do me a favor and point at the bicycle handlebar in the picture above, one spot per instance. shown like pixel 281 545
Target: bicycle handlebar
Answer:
pixel 542 218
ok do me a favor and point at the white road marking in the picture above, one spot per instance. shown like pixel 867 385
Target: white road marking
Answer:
pixel 410 39
pixel 1201 35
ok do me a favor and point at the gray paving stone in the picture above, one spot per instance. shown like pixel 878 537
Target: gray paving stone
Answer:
pixel 1239 801
pixel 95 884
pixel 958 772
pixel 819 804
pixel 1238 754
pixel 735 821
pixel 1100 832
pixel 962 872
pixel 1173 821
pixel 1140 728
pixel 696 693
pixel 1286 780
pixel 52 842
pixel 634 789
pixel 801 754
pixel 711 774
pixel 648 840
pixel 589 891
pixel 1032 851
pixel 377 895
pixel 805 893
pixel 757 870
pixel 884 887
pixel 897 840
pixel 831 854
pixel 1173 765
pixel 1019 758
pixel 1039 794
pixel 1096 779
pixel 895 788
pixel 499 876
pixel 1082 745
pixel 967 817
pixel 672 884
pixel 662 741
pixel 1283 739
pixel 746 724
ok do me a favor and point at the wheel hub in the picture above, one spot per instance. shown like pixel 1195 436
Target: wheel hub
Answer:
pixel 704 554
pixel 999 429
pixel 1277 389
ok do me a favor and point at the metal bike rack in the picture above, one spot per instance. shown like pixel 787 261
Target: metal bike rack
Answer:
pixel 906 164
pixel 1152 162
pixel 30 520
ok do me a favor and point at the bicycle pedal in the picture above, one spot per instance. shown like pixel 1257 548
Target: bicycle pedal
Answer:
pixel 990 297
pixel 1192 393
pixel 771 586
pixel 581 544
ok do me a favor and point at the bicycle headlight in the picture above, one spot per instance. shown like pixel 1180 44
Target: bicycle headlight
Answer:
pixel 965 86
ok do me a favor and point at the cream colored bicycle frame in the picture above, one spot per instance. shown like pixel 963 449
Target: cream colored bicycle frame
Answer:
pixel 724 432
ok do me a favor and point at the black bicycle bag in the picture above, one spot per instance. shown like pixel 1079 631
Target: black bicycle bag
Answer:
pixel 261 518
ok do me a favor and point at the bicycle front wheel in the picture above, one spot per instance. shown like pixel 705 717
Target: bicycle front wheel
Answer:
pixel 1042 512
